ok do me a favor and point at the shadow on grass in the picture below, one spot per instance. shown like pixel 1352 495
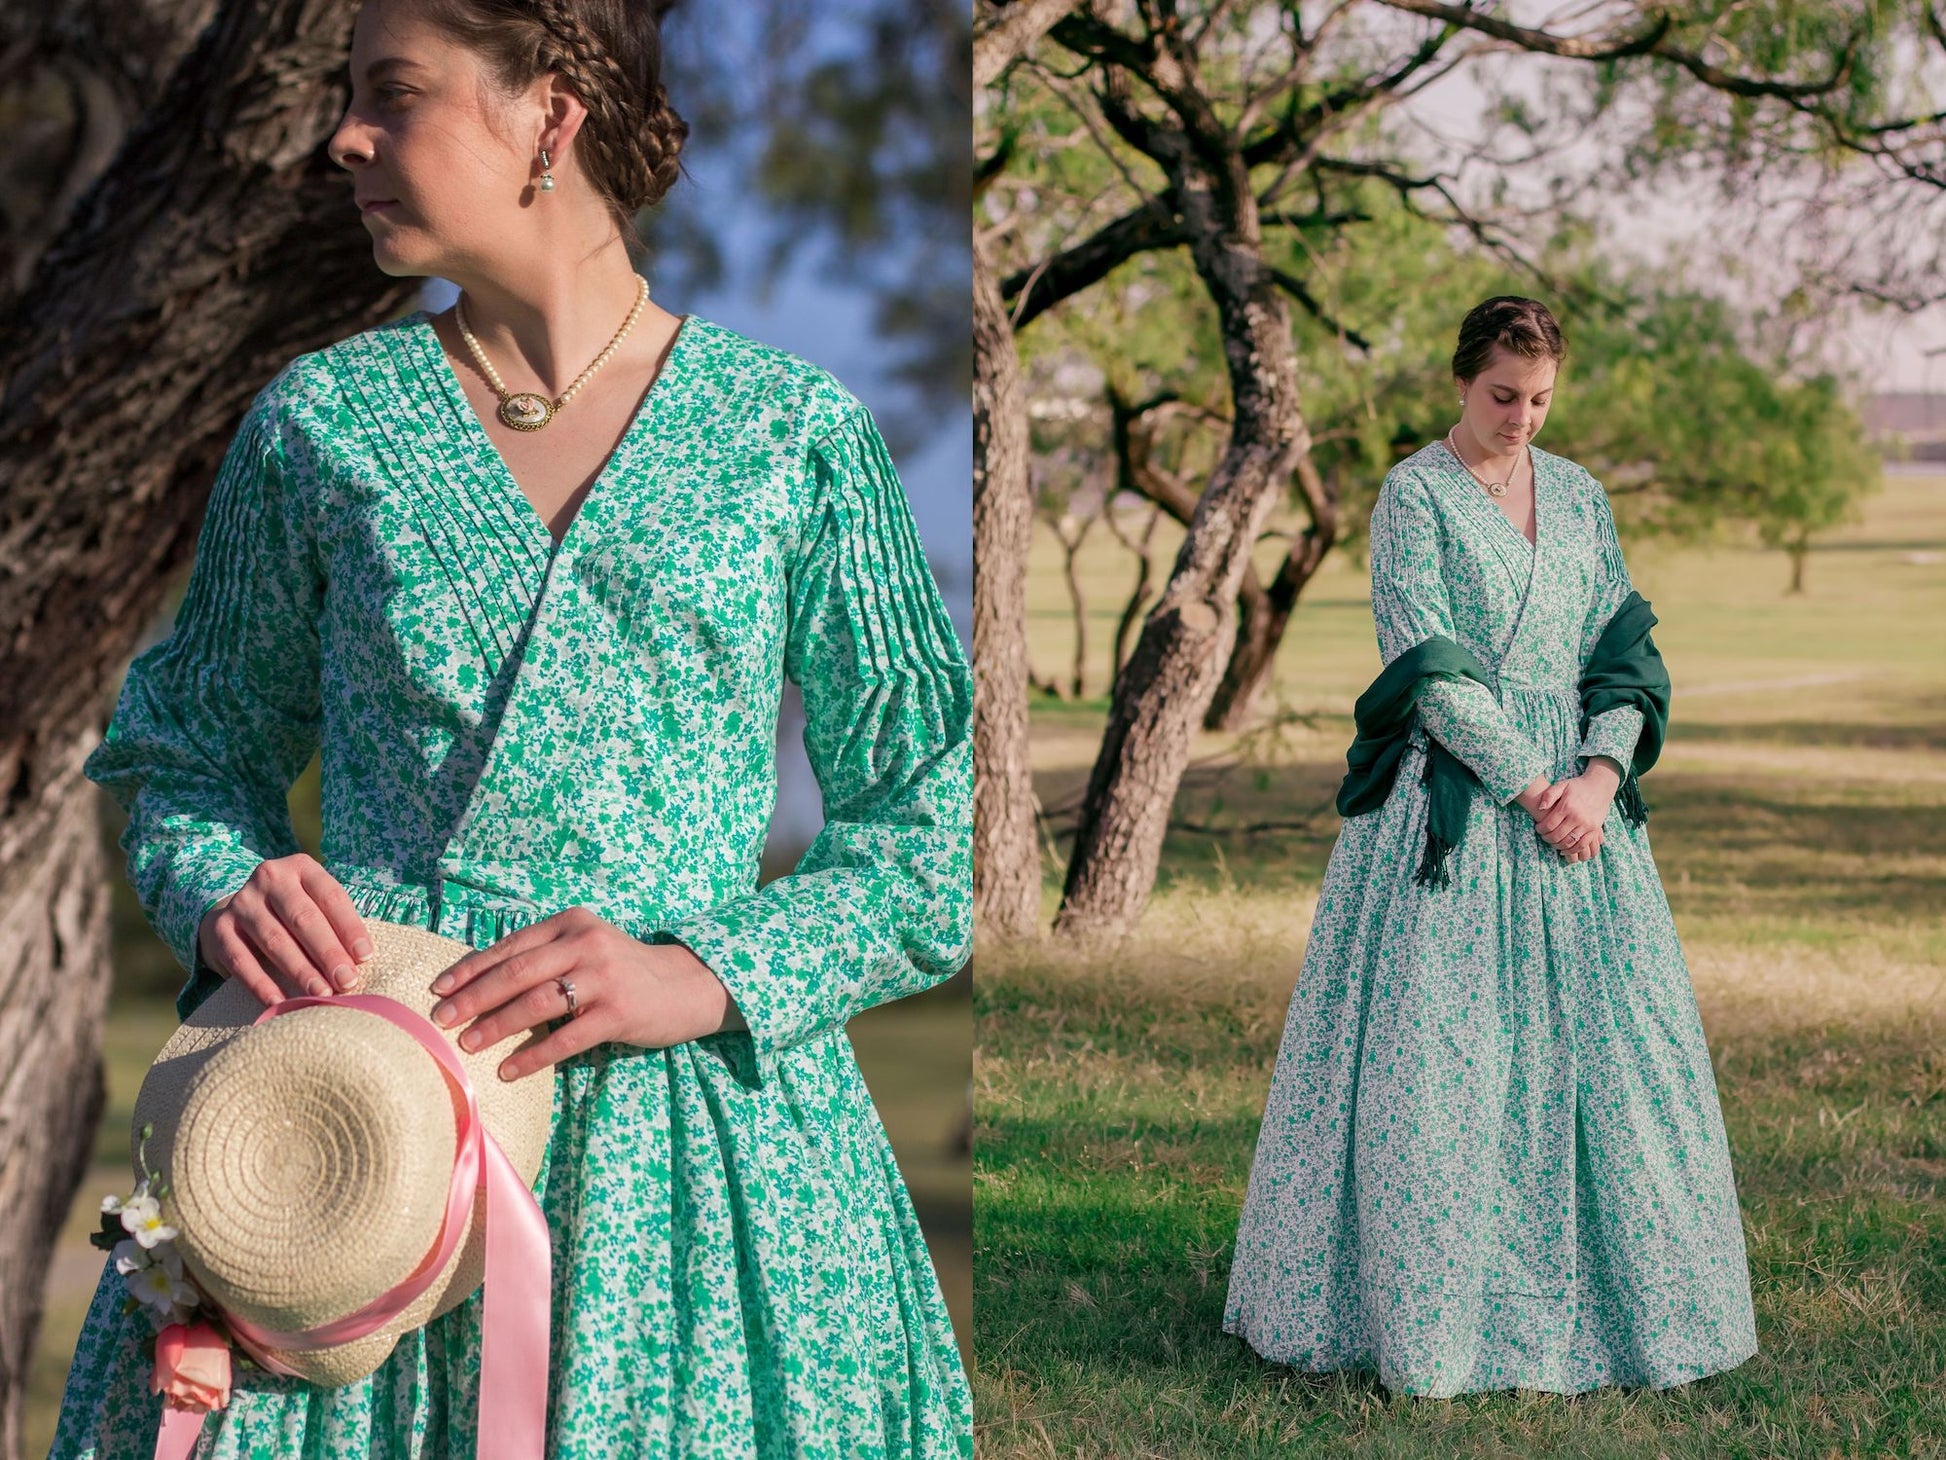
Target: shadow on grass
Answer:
pixel 1822 734
pixel 1865 852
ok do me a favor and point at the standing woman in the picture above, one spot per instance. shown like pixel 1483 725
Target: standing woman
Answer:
pixel 1492 1155
pixel 531 575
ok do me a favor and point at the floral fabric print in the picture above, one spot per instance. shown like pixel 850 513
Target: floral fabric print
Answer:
pixel 1492 1155
pixel 508 728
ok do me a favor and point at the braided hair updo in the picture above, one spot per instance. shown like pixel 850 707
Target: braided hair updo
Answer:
pixel 609 52
pixel 1518 325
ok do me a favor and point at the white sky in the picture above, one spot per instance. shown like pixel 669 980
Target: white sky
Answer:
pixel 1891 351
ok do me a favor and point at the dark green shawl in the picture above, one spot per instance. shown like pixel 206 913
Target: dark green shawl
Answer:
pixel 1625 668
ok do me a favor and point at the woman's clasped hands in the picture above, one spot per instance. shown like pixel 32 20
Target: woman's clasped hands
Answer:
pixel 1569 814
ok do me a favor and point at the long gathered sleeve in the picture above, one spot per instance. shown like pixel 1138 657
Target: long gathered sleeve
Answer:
pixel 1612 732
pixel 880 905
pixel 215 722
pixel 1410 604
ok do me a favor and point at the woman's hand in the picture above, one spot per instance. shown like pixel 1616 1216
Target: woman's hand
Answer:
pixel 1570 814
pixel 285 931
pixel 629 992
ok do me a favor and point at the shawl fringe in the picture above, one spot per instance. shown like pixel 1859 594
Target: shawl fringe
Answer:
pixel 1629 798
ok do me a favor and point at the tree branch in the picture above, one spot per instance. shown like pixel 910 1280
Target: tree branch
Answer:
pixel 1003 32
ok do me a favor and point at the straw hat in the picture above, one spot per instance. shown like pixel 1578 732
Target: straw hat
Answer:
pixel 309 1157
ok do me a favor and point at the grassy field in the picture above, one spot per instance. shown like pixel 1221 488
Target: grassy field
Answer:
pixel 1799 819
pixel 914 1053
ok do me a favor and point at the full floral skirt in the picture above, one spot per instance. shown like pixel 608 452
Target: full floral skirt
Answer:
pixel 1492 1155
pixel 738 1274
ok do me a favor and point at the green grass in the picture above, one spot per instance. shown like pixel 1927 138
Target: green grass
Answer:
pixel 1797 819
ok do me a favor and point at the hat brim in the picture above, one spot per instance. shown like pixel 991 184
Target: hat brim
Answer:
pixel 517 1115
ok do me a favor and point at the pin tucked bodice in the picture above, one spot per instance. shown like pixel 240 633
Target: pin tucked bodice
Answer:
pixel 534 724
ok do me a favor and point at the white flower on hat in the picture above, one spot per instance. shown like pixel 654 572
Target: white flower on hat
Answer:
pixel 142 1216
pixel 155 1285
pixel 131 1256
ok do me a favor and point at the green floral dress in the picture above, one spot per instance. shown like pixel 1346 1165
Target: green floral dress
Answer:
pixel 509 728
pixel 1492 1155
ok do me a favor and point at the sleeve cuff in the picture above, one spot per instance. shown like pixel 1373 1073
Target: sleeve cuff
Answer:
pixel 1505 782
pixel 1613 733
pixel 749 944
pixel 188 903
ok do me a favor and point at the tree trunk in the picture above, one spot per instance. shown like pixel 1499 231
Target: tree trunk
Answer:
pixel 219 242
pixel 1138 596
pixel 1170 679
pixel 55 969
pixel 1006 857
pixel 1262 613
pixel 74 78
pixel 1265 613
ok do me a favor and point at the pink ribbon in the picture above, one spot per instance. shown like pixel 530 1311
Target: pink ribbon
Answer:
pixel 512 1415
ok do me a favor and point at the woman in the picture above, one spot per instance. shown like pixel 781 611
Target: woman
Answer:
pixel 1492 1155
pixel 545 680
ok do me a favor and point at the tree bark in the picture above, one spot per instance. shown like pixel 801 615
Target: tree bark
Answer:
pixel 73 78
pixel 54 969
pixel 218 242
pixel 1264 612
pixel 1138 596
pixel 1006 857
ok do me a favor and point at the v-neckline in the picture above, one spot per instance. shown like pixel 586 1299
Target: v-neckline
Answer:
pixel 1459 468
pixel 470 420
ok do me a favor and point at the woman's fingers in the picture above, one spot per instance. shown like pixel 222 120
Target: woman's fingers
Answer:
pixel 542 1049
pixel 529 1010
pixel 291 929
pixel 1584 847
pixel 535 962
pixel 484 961
pixel 308 942
pixel 275 928
pixel 1571 836
pixel 1561 833
pixel 239 958
pixel 335 904
pixel 281 954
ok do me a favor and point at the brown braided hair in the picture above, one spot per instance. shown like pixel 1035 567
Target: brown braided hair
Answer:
pixel 609 52
pixel 1520 325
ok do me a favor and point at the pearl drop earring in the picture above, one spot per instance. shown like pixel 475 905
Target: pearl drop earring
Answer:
pixel 547 177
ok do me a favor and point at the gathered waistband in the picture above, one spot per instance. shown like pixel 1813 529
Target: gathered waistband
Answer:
pixel 1558 691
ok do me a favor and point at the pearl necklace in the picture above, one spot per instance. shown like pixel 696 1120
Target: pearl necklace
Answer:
pixel 1498 489
pixel 524 410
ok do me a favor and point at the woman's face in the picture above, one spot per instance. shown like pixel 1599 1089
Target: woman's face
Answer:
pixel 1507 401
pixel 455 164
